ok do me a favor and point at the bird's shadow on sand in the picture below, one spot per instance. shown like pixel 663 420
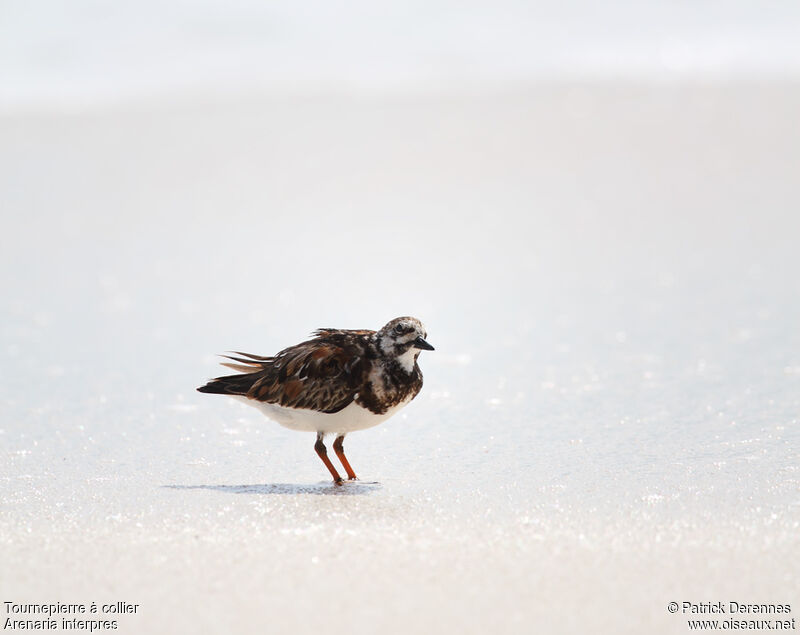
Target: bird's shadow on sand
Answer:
pixel 358 488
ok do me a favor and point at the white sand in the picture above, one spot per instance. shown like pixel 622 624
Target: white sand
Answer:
pixel 608 424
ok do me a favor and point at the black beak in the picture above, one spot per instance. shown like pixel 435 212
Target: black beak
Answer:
pixel 421 343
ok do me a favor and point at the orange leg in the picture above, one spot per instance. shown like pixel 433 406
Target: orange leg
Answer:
pixel 338 447
pixel 322 451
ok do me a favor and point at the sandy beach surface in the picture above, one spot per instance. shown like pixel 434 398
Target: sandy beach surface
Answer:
pixel 609 423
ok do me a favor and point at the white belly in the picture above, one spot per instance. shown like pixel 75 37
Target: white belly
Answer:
pixel 349 419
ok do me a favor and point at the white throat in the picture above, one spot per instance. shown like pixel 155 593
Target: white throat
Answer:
pixel 408 359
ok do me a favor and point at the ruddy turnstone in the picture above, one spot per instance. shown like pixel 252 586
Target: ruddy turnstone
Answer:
pixel 337 382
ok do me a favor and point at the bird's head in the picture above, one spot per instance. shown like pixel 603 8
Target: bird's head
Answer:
pixel 403 338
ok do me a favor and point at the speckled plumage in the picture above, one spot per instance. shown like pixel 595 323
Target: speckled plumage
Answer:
pixel 358 378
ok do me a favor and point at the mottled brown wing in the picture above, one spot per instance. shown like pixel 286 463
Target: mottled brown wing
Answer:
pixel 318 374
pixel 340 335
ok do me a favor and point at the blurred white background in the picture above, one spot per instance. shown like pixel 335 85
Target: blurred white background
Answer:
pixel 593 208
pixel 88 52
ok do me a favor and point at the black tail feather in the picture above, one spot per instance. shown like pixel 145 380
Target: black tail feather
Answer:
pixel 256 358
pixel 231 385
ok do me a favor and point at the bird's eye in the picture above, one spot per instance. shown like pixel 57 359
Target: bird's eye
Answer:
pixel 399 328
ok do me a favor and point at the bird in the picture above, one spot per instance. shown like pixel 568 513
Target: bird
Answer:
pixel 337 382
